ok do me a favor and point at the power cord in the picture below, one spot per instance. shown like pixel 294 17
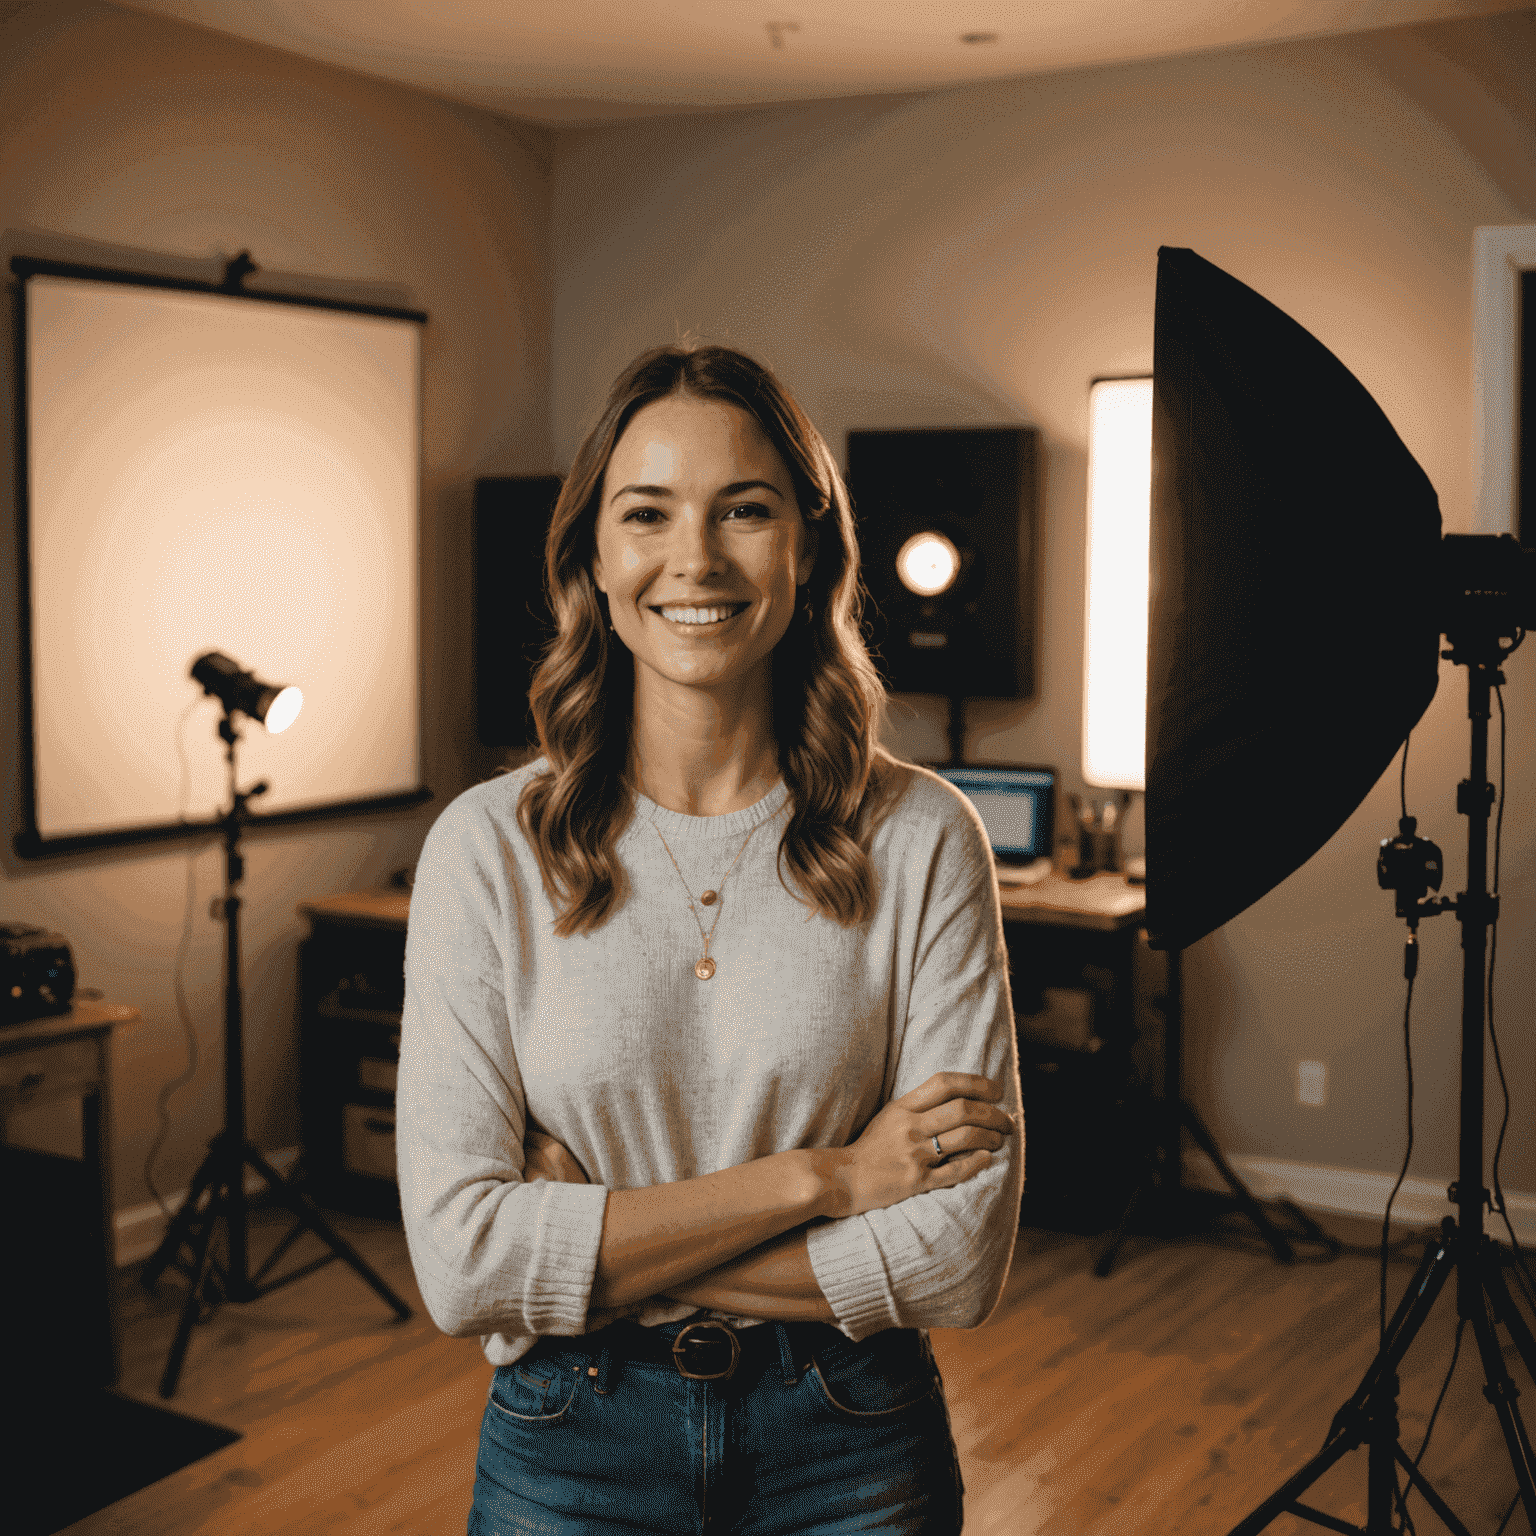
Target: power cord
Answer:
pixel 1493 955
pixel 1386 1220
pixel 162 1102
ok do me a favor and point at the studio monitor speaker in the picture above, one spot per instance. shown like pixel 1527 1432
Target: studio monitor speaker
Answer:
pixel 947 521
pixel 512 617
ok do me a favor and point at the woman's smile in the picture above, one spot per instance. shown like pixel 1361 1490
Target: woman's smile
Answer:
pixel 699 619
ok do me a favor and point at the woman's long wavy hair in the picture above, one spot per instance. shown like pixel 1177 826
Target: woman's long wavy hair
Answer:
pixel 827 694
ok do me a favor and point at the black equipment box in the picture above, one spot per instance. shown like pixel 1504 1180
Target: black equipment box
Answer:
pixel 37 973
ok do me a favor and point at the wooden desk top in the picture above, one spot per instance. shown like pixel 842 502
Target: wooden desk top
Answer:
pixel 87 1017
pixel 1107 902
pixel 386 907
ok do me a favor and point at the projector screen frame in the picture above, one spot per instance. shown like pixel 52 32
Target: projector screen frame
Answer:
pixel 29 842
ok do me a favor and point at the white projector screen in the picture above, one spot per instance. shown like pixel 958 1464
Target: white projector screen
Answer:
pixel 213 470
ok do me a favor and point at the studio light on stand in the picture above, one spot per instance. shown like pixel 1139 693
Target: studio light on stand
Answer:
pixel 1301 585
pixel 1114 758
pixel 217 1197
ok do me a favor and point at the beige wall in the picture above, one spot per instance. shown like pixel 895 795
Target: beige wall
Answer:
pixel 120 134
pixel 979 255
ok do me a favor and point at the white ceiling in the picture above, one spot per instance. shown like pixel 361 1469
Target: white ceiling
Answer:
pixel 570 61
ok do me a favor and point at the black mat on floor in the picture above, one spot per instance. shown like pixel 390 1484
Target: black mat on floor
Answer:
pixel 69 1459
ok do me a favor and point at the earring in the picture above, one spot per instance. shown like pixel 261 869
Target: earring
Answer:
pixel 805 607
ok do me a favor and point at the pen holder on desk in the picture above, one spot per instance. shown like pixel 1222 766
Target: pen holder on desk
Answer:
pixel 1098 834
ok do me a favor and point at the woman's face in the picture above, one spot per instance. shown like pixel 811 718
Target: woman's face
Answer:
pixel 700 543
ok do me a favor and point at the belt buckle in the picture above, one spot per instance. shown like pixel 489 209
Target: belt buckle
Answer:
pixel 682 1342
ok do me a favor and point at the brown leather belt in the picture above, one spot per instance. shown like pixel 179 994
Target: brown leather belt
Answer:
pixel 706 1350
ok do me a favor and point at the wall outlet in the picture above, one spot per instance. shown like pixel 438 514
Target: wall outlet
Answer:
pixel 1312 1083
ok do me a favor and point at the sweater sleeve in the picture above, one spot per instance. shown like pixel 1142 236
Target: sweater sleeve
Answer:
pixel 491 1253
pixel 939 1260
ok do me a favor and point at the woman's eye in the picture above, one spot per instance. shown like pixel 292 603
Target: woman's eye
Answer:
pixel 748 509
pixel 643 515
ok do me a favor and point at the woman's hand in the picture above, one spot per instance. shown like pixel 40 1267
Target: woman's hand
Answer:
pixel 894 1158
pixel 546 1158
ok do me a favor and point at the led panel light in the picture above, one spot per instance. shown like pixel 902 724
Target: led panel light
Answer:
pixel 1115 649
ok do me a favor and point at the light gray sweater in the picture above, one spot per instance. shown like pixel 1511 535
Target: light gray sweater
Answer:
pixel 611 1044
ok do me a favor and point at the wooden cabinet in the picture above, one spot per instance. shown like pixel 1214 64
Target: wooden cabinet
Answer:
pixel 352 977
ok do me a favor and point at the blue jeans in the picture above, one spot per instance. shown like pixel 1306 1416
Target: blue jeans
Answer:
pixel 812 1436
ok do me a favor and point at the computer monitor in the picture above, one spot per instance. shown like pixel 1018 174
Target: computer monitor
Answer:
pixel 1017 806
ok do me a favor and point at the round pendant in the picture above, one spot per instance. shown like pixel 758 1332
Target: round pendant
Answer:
pixel 704 969
pixel 709 898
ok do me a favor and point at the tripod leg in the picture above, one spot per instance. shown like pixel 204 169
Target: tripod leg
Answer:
pixel 1504 1308
pixel 183 1224
pixel 1417 1301
pixel 1249 1206
pixel 1369 1416
pixel 1500 1390
pixel 1283 1500
pixel 202 1254
pixel 1106 1259
pixel 1431 1498
pixel 305 1210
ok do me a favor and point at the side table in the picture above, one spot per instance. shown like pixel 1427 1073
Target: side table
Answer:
pixel 57 1210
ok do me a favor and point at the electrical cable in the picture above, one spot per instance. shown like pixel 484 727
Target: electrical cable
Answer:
pixel 1386 1220
pixel 168 1090
pixel 1498 837
pixel 1429 1429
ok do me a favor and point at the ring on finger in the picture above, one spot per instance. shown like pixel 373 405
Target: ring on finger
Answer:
pixel 937 1148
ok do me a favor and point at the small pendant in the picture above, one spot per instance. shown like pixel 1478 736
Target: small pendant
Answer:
pixel 709 898
pixel 704 969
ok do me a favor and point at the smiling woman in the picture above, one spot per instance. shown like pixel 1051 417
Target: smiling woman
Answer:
pixel 708 1092
pixel 699 567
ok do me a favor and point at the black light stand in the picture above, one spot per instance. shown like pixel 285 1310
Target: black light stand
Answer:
pixel 1160 1202
pixel 217 1196
pixel 1482 1299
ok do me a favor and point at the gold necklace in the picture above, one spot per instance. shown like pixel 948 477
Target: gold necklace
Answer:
pixel 704 968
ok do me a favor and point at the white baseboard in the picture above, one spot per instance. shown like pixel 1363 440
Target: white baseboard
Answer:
pixel 1353 1192
pixel 138 1231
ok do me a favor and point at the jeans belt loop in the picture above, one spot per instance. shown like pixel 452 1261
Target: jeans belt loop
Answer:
pixel 786 1355
pixel 682 1341
pixel 604 1373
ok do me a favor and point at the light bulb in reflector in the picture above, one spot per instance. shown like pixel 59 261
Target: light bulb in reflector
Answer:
pixel 1119 519
pixel 928 564
pixel 283 710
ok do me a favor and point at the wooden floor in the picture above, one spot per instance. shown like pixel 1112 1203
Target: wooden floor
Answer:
pixel 1173 1396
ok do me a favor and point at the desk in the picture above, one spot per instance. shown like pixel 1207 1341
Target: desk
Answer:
pixel 1105 903
pixel 57 1211
pixel 1080 935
